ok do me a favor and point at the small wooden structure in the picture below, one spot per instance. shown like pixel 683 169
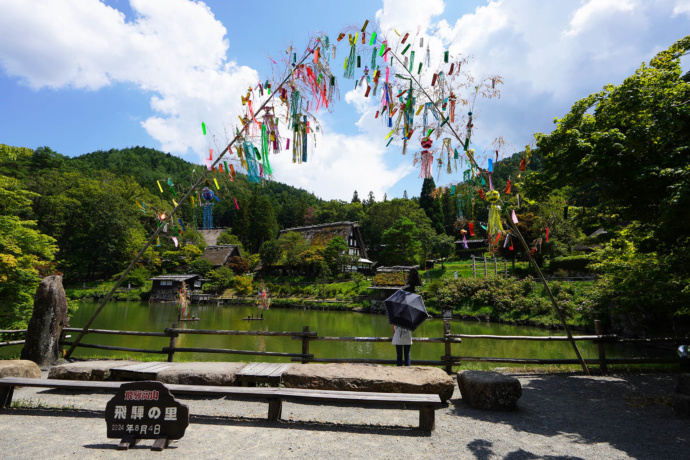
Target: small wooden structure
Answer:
pixel 166 288
pixel 475 247
pixel 253 373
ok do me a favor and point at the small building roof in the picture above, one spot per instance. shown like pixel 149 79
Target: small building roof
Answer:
pixel 219 254
pixel 175 277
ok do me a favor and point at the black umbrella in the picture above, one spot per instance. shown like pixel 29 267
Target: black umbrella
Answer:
pixel 406 310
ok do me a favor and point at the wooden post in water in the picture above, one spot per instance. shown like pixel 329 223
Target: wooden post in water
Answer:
pixel 602 351
pixel 446 331
pixel 305 345
pixel 173 343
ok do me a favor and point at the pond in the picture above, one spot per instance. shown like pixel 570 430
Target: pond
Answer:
pixel 140 316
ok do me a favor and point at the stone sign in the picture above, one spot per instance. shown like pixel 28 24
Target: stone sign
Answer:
pixel 145 410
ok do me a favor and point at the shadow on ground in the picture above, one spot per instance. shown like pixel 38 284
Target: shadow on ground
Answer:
pixel 630 413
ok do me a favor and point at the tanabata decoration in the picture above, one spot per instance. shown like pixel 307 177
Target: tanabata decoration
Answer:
pixel 495 227
pixel 464 239
pixel 426 158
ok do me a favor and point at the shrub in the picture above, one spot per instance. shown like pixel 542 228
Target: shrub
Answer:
pixel 570 263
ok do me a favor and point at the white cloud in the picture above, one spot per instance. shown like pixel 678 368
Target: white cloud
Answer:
pixel 175 49
pixel 597 10
pixel 682 7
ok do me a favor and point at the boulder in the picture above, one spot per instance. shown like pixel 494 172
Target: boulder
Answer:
pixel 370 377
pixel 47 320
pixel 200 373
pixel 86 370
pixel 19 368
pixel 489 390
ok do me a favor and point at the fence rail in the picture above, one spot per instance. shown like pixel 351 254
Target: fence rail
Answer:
pixel 448 360
pixel 12 332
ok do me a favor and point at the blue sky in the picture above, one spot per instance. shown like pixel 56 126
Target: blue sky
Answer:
pixel 84 75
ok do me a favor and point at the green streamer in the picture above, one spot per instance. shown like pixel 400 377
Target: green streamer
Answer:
pixel 406 48
pixel 411 61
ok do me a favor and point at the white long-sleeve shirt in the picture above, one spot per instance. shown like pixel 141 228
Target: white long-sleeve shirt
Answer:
pixel 402 336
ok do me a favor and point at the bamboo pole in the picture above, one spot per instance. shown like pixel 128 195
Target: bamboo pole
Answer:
pixel 539 273
pixel 202 177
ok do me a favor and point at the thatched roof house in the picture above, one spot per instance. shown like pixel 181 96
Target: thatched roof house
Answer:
pixel 320 235
pixel 219 255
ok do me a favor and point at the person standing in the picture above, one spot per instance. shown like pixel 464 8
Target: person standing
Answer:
pixel 402 339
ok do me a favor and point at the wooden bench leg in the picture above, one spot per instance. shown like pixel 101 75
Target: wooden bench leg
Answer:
pixel 6 393
pixel 160 443
pixel 275 409
pixel 427 418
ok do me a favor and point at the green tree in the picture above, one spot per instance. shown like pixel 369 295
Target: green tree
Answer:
pixel 334 254
pixel 270 253
pixel 200 267
pixel 264 225
pixel 430 205
pixel 24 251
pixel 381 216
pixel 355 198
pixel 401 246
pixel 293 245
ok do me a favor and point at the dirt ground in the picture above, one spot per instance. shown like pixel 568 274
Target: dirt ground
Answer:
pixel 560 416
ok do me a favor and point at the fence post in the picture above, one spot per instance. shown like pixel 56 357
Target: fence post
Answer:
pixel 305 345
pixel 446 331
pixel 505 268
pixel 173 343
pixel 495 267
pixel 486 273
pixel 602 351
pixel 474 268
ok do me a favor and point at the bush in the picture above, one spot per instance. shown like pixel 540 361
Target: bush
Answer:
pixel 243 285
pixel 138 276
pixel 570 263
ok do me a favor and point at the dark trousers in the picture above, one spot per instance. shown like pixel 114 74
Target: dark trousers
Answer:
pixel 399 350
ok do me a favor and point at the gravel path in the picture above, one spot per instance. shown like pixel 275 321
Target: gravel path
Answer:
pixel 560 416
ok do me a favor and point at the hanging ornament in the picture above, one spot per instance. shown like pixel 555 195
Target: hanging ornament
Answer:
pixel 495 227
pixel 427 159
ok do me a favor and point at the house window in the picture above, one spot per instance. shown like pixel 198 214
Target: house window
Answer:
pixel 166 283
pixel 197 284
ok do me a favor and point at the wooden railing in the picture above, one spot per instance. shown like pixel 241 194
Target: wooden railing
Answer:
pixel 12 332
pixel 448 360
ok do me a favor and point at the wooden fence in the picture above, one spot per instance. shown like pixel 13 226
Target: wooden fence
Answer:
pixel 12 332
pixel 448 360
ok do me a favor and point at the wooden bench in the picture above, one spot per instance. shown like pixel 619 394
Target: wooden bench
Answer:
pixel 270 373
pixel 426 403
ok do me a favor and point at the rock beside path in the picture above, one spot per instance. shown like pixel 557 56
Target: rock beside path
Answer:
pixel 20 368
pixel 200 373
pixel 49 316
pixel 489 390
pixel 87 370
pixel 370 377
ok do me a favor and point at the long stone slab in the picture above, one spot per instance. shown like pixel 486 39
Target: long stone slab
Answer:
pixel 87 370
pixel 19 368
pixel 200 373
pixel 370 377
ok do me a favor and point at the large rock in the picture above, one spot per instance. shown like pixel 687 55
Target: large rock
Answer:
pixel 200 373
pixel 19 368
pixel 370 377
pixel 489 390
pixel 47 320
pixel 86 370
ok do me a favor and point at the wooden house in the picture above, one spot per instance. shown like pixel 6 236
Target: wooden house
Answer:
pixel 320 235
pixel 219 255
pixel 166 288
